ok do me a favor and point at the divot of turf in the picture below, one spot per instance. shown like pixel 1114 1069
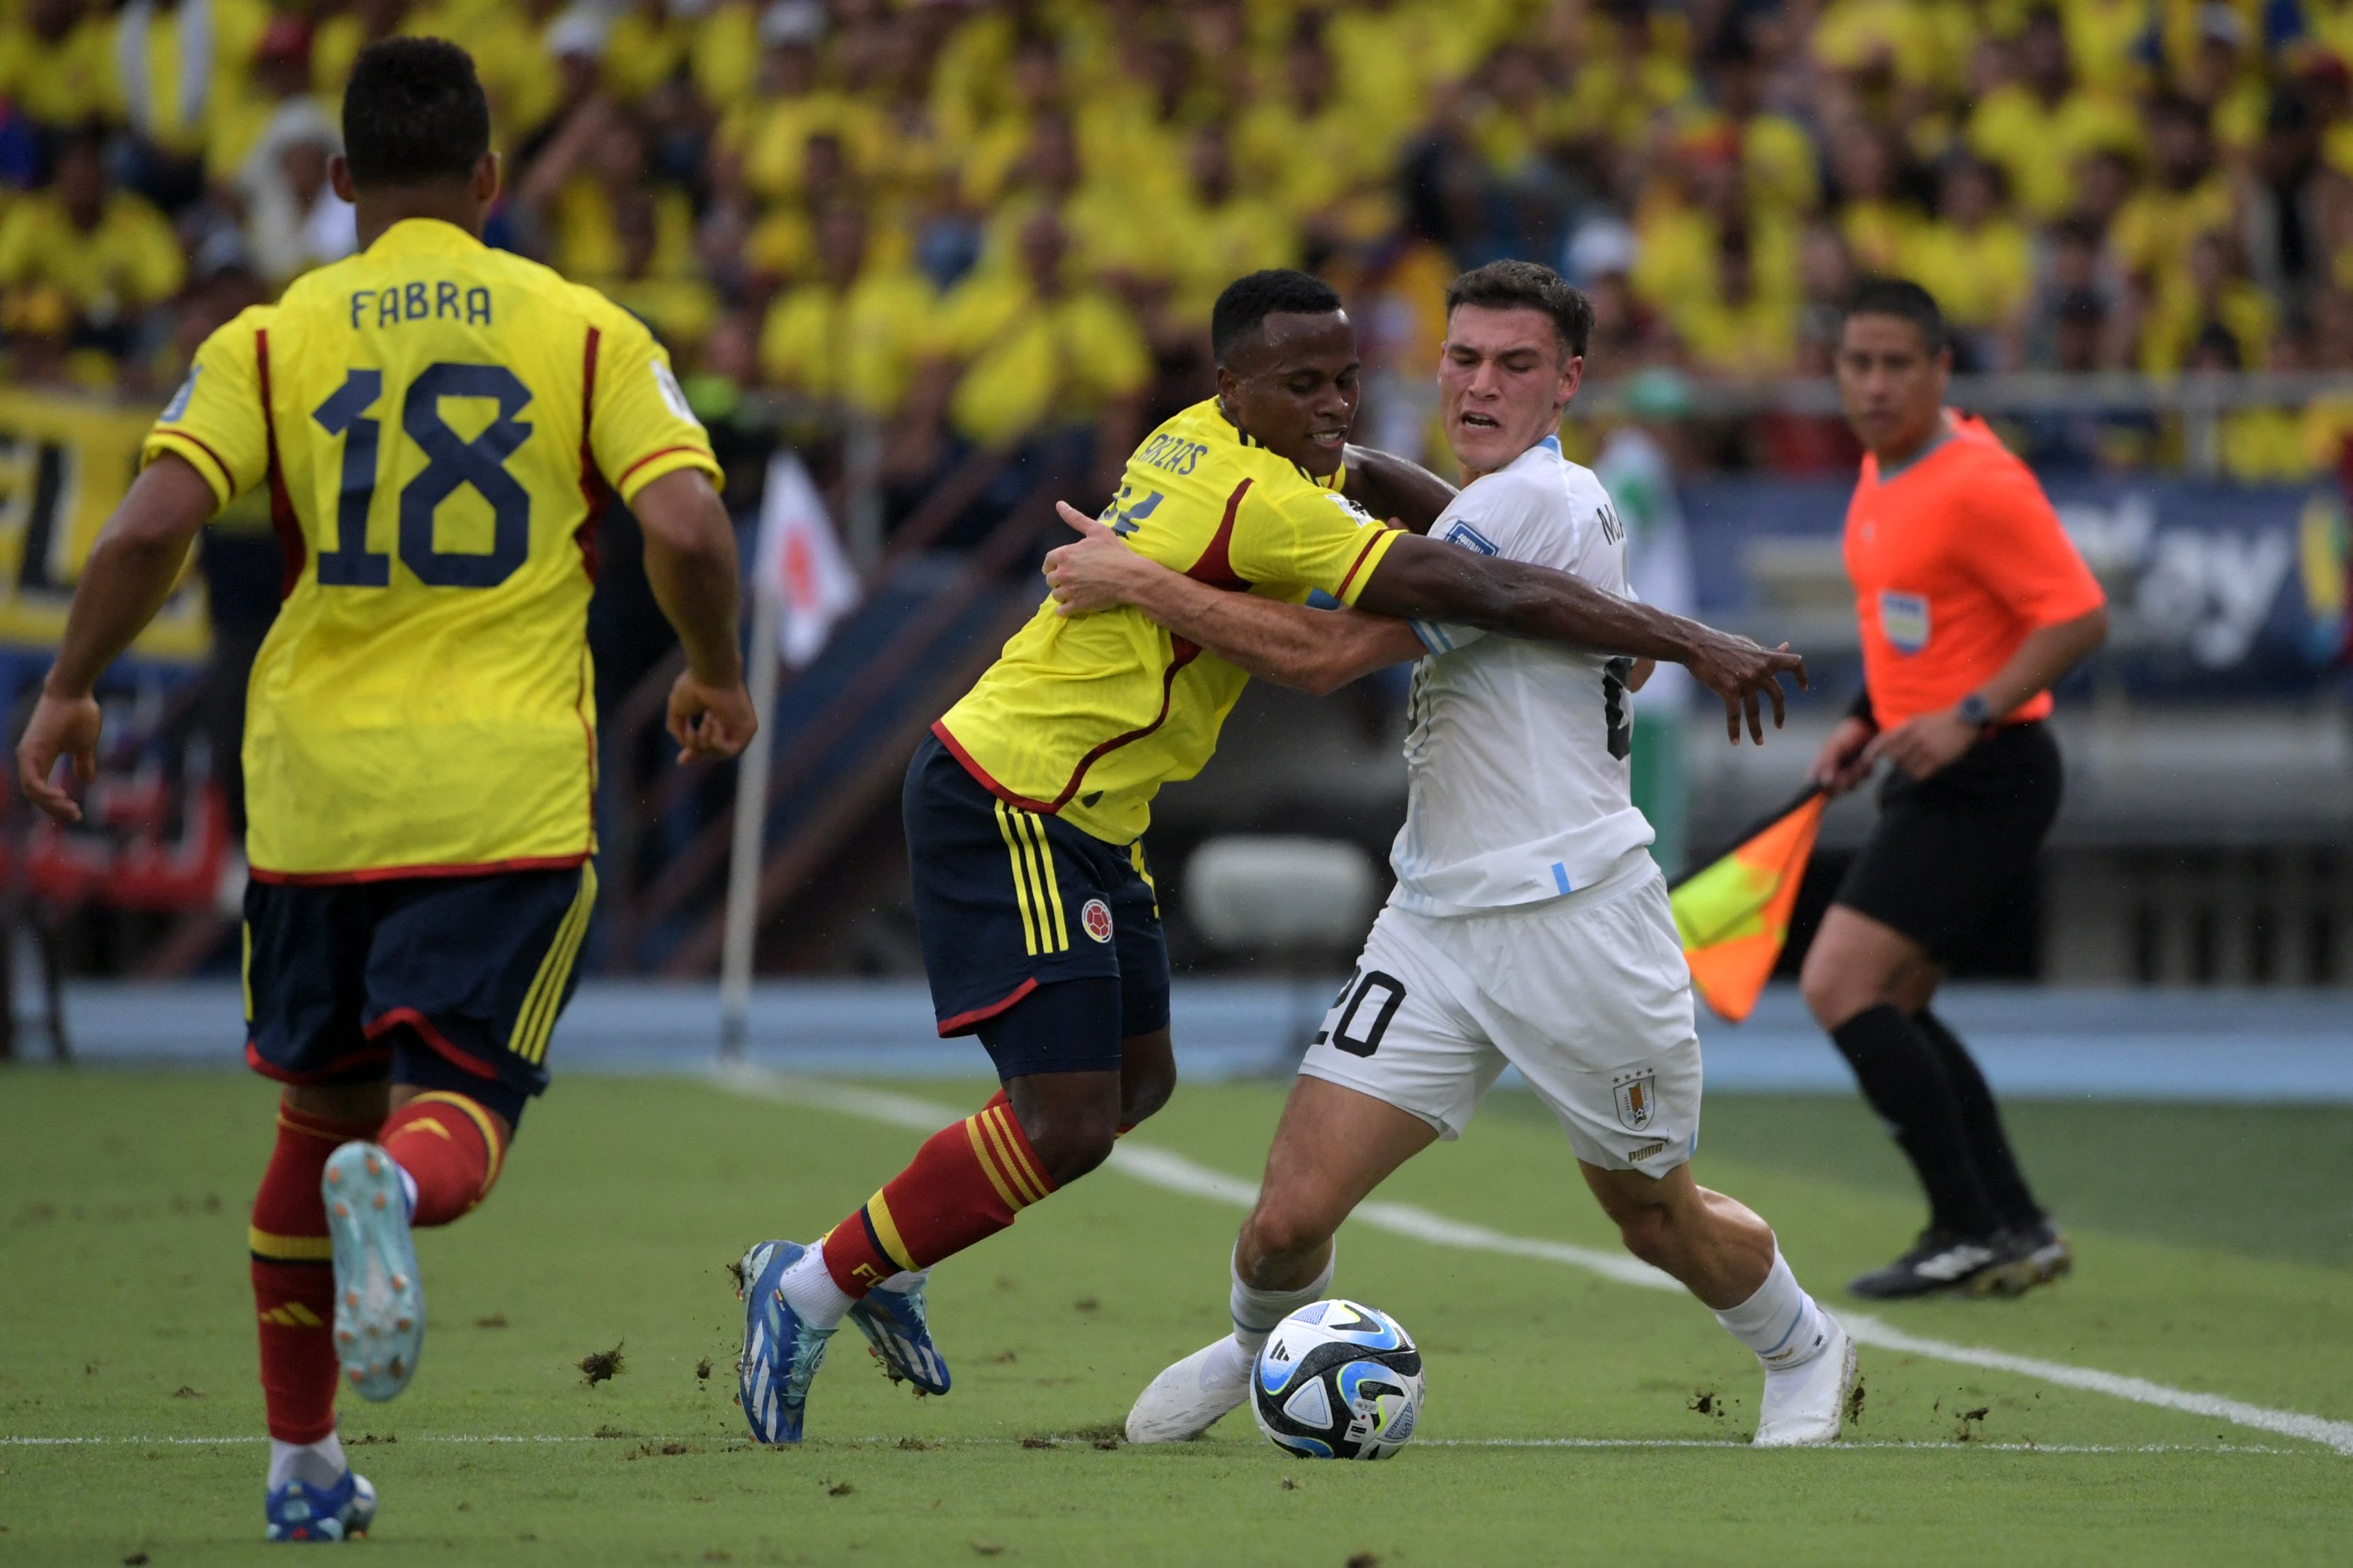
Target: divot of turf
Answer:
pixel 597 1366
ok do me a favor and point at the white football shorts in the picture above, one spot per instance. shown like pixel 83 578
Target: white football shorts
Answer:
pixel 1588 995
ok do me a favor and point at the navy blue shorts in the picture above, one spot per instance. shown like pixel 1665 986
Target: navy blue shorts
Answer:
pixel 1007 900
pixel 450 982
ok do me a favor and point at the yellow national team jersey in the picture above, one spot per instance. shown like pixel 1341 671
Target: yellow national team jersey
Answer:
pixel 439 424
pixel 1088 716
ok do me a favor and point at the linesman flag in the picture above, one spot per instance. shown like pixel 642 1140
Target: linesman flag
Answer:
pixel 1733 914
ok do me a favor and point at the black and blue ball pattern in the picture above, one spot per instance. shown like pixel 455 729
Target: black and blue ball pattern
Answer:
pixel 1338 1379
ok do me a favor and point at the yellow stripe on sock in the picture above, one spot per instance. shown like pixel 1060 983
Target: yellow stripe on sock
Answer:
pixel 289 1249
pixel 482 1124
pixel 1053 879
pixel 1020 880
pixel 989 1165
pixel 1022 1151
pixel 1018 1190
pixel 886 1231
pixel 244 967
pixel 1009 1156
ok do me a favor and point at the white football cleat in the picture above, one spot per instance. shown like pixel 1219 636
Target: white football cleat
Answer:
pixel 1189 1398
pixel 379 1304
pixel 1805 1406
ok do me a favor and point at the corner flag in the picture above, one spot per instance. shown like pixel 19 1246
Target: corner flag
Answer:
pixel 801 562
pixel 1733 914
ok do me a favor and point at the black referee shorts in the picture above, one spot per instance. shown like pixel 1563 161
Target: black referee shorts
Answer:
pixel 1950 847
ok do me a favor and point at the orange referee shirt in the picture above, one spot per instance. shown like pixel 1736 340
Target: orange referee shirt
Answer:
pixel 1954 560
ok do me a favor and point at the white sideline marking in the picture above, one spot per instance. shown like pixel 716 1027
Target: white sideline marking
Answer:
pixel 1162 1168
pixel 730 1444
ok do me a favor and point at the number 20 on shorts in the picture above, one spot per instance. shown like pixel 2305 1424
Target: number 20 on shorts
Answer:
pixel 1361 1013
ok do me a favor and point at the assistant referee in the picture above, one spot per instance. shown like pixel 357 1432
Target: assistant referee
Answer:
pixel 1972 602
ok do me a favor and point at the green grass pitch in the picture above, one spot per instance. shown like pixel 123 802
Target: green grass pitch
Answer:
pixel 2215 1254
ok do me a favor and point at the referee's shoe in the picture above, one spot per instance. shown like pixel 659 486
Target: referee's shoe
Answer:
pixel 2006 1263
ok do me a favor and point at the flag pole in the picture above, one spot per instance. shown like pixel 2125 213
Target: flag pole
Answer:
pixel 751 819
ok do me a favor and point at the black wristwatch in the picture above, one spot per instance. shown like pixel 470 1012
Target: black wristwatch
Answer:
pixel 1977 711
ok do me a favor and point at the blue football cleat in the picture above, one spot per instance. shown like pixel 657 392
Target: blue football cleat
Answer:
pixel 781 1353
pixel 379 1304
pixel 896 1325
pixel 301 1511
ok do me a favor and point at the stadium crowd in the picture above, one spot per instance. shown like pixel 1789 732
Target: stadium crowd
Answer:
pixel 998 227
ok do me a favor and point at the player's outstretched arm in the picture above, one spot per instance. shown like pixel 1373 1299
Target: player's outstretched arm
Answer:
pixel 129 575
pixel 690 564
pixel 1420 579
pixel 1398 488
pixel 1317 651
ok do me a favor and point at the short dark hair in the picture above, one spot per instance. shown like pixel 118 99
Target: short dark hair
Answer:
pixel 415 113
pixel 1901 297
pixel 1251 298
pixel 1527 285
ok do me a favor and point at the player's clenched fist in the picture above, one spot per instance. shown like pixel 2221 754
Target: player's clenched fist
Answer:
pixel 1739 671
pixel 709 721
pixel 60 727
pixel 1098 572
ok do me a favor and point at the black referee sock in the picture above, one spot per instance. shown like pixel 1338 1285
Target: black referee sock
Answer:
pixel 1903 1079
pixel 2005 1183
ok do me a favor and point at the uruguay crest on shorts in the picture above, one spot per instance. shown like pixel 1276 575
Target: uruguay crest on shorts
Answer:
pixel 1636 1095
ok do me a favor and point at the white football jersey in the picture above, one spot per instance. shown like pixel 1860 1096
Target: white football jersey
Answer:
pixel 1517 751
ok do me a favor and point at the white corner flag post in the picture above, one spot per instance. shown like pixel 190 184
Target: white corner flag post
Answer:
pixel 801 585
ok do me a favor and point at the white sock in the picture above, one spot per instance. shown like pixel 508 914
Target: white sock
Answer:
pixel 1780 1322
pixel 810 1290
pixel 1255 1312
pixel 407 1187
pixel 319 1464
pixel 906 1279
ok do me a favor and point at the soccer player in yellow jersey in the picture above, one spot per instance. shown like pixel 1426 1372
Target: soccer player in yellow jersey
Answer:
pixel 438 425
pixel 1026 810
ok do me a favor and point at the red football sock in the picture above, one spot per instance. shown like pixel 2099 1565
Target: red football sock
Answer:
pixel 449 1146
pixel 964 1184
pixel 294 1276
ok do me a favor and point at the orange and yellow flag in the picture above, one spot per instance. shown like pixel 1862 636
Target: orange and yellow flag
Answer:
pixel 1733 914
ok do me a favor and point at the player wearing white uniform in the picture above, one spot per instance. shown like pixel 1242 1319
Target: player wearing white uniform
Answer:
pixel 1529 926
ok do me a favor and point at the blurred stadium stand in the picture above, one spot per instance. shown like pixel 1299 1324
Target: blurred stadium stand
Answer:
pixel 958 254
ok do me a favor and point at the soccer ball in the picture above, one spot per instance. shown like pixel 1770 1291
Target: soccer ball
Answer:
pixel 1338 1379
